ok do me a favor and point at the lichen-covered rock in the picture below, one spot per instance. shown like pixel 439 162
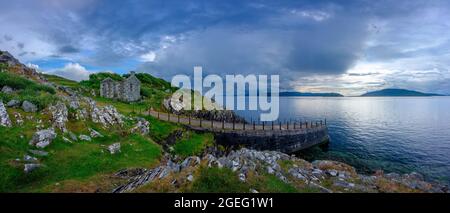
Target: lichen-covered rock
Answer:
pixel 43 138
pixel 114 148
pixel 142 127
pixel 13 103
pixel 29 107
pixel 107 116
pixel 4 117
pixel 59 116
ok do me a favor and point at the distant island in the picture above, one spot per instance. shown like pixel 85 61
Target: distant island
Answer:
pixel 397 92
pixel 309 94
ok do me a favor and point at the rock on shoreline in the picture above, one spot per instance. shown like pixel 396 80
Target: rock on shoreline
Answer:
pixel 322 176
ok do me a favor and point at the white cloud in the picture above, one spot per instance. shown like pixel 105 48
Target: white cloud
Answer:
pixel 72 71
pixel 148 57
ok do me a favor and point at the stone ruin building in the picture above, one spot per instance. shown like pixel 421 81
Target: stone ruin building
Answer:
pixel 128 90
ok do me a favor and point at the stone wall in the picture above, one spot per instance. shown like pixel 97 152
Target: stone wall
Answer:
pixel 128 90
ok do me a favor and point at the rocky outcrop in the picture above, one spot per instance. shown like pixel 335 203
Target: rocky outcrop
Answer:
pixel 107 116
pixel 43 138
pixel 142 127
pixel 17 67
pixel 59 116
pixel 319 176
pixel 29 107
pixel 4 117
pixel 114 148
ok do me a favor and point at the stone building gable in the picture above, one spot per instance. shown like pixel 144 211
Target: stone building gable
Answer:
pixel 128 90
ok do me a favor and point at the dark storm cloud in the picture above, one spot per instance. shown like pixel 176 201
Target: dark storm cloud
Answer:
pixel 293 38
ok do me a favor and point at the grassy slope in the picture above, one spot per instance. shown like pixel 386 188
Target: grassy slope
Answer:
pixel 87 166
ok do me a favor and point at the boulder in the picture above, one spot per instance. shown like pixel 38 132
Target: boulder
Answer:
pixel 95 134
pixel 7 90
pixel 29 107
pixel 142 127
pixel 4 117
pixel 72 136
pixel 59 116
pixel 85 138
pixel 13 103
pixel 43 138
pixel 114 148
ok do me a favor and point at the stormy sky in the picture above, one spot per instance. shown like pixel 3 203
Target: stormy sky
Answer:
pixel 347 46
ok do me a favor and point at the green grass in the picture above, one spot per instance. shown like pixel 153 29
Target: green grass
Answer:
pixel 61 81
pixel 76 161
pixel 194 144
pixel 216 180
pixel 39 94
pixel 271 184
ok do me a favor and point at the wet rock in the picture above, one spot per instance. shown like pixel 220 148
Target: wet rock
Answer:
pixel 4 117
pixel 114 148
pixel 7 90
pixel 59 115
pixel 85 138
pixel 13 103
pixel 95 134
pixel 38 152
pixel 142 127
pixel 29 107
pixel 43 138
pixel 29 167
pixel 253 191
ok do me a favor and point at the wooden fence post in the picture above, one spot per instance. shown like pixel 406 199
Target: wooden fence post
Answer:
pixel 243 125
pixel 263 124
pixel 168 116
pixel 223 123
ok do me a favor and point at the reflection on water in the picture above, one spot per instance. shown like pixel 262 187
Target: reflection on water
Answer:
pixel 400 134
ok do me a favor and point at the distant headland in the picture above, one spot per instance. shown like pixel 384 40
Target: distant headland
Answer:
pixel 398 93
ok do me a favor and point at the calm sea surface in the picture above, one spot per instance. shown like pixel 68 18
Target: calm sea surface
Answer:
pixel 396 134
